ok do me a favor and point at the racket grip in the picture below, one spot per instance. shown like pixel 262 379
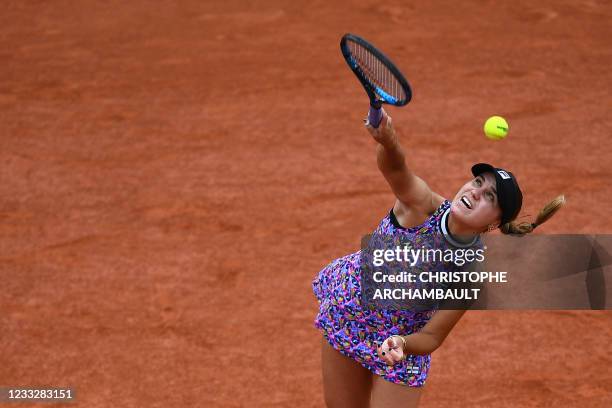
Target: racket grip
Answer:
pixel 375 116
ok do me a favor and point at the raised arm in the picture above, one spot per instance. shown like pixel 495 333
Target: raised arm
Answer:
pixel 409 189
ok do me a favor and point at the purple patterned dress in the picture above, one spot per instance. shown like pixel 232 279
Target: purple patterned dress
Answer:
pixel 357 332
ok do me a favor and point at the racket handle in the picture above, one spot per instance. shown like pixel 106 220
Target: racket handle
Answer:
pixel 375 116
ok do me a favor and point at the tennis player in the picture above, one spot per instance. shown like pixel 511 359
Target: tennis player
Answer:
pixel 381 358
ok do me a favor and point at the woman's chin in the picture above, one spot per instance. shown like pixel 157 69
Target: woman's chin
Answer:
pixel 460 214
pixel 457 210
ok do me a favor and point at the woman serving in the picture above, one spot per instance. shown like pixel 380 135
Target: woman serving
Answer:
pixel 377 357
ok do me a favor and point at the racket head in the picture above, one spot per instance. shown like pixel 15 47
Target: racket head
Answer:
pixel 381 79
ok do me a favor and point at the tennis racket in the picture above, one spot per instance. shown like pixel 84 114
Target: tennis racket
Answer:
pixel 381 79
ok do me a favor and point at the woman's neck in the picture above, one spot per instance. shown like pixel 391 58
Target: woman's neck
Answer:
pixel 460 232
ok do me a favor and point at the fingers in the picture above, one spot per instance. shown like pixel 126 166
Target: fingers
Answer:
pixel 390 357
pixel 385 355
pixel 390 351
pixel 375 132
pixel 388 122
pixel 372 130
pixel 384 131
pixel 396 355
pixel 384 119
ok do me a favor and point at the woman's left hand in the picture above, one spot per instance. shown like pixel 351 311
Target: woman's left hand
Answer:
pixel 392 350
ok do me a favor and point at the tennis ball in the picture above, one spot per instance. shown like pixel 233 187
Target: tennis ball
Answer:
pixel 496 128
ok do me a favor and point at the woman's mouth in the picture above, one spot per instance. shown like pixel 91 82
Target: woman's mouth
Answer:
pixel 466 202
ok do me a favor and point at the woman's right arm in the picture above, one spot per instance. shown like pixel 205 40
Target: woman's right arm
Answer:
pixel 410 190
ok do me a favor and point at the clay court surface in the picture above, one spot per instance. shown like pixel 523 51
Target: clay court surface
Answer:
pixel 172 177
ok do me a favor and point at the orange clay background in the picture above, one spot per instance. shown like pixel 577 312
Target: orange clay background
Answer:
pixel 174 175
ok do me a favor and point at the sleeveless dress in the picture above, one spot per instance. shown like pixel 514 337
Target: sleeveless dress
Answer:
pixel 357 331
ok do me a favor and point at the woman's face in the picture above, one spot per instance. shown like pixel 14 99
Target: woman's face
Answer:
pixel 475 204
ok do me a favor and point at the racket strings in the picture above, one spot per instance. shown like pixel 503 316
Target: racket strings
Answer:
pixel 376 72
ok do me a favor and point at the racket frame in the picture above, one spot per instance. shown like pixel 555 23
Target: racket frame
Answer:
pixel 375 114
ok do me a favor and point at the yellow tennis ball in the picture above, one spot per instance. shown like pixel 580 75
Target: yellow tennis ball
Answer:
pixel 496 128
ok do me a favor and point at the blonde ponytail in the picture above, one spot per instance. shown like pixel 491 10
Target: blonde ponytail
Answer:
pixel 545 214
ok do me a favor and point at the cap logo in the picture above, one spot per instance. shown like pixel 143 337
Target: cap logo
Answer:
pixel 503 174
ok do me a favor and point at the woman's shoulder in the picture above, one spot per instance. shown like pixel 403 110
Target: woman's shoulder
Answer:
pixel 437 201
pixel 442 205
pixel 402 219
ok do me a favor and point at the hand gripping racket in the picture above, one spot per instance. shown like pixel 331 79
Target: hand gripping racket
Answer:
pixel 382 81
